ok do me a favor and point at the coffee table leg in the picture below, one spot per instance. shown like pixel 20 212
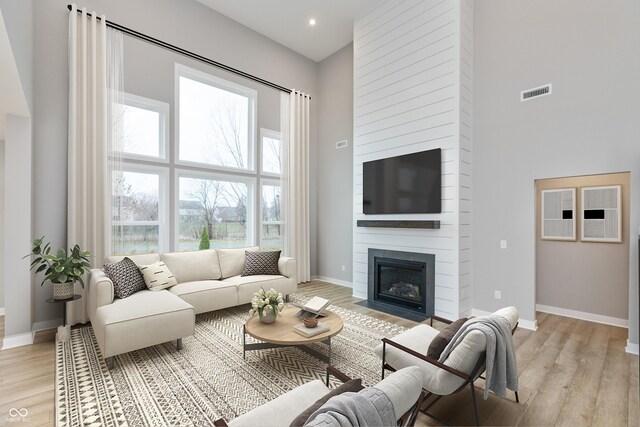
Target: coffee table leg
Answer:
pixel 329 343
pixel 244 342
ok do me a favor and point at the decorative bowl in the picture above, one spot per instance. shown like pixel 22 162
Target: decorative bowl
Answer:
pixel 310 322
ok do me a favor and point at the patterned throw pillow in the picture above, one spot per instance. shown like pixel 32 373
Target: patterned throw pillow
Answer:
pixel 258 263
pixel 126 278
pixel 157 276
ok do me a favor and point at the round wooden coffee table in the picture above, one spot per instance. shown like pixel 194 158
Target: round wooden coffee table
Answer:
pixel 281 333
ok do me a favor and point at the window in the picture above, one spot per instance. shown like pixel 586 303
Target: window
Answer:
pixel 271 224
pixel 220 205
pixel 215 175
pixel 145 127
pixel 271 152
pixel 216 121
pixel 137 211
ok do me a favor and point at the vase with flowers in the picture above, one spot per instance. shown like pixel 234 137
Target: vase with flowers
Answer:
pixel 268 305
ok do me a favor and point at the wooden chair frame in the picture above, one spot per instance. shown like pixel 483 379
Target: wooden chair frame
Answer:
pixel 468 378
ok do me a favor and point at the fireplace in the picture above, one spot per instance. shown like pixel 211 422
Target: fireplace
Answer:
pixel 402 283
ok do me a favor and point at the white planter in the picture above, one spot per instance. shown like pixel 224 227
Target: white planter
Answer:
pixel 268 317
pixel 62 290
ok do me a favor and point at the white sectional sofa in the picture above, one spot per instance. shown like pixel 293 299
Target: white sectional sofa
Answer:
pixel 207 280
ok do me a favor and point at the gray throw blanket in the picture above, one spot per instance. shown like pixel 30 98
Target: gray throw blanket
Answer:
pixel 368 407
pixel 501 368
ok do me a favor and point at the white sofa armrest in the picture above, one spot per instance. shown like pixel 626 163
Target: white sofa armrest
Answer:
pixel 288 267
pixel 100 291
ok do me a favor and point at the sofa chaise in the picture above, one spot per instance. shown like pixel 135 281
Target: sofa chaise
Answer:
pixel 207 280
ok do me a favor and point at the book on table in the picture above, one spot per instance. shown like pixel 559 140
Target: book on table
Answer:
pixel 311 332
pixel 313 308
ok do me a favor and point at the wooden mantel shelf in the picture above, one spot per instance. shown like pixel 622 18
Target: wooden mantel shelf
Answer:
pixel 427 224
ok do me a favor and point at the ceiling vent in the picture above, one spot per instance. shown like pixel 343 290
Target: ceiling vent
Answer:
pixel 536 92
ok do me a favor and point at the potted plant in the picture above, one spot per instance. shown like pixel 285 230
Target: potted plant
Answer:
pixel 267 304
pixel 63 269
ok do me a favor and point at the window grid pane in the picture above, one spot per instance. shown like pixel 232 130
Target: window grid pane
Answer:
pixel 271 229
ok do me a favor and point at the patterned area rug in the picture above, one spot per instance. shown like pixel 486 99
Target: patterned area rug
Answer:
pixel 207 379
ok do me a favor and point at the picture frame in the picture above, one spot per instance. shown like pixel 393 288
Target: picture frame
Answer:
pixel 558 214
pixel 601 214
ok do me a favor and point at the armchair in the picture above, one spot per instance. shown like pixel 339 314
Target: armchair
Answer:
pixel 462 367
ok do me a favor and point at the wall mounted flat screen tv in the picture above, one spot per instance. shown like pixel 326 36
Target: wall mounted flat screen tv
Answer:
pixel 409 184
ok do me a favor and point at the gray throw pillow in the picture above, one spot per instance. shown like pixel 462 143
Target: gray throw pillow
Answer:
pixel 258 263
pixel 126 278
pixel 445 336
pixel 351 385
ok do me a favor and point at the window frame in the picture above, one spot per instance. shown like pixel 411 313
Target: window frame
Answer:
pixel 220 83
pixel 250 181
pixel 163 205
pixel 268 133
pixel 163 109
pixel 272 183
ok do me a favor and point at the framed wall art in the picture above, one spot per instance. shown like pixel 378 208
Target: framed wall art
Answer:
pixel 601 214
pixel 558 214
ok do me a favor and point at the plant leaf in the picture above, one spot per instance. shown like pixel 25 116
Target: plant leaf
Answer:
pixel 42 267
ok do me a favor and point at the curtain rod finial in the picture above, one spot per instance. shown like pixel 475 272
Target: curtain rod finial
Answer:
pixel 70 7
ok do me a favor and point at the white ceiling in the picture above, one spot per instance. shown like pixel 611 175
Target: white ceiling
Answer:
pixel 287 21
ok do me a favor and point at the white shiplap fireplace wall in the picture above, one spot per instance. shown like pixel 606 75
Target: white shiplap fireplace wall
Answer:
pixel 413 92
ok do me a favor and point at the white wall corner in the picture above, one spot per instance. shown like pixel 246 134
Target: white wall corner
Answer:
pixel 18 340
pixel 632 348
pixel 332 280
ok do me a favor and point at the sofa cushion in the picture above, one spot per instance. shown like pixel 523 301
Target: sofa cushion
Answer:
pixel 126 278
pixel 144 319
pixel 207 295
pixel 261 263
pixel 157 276
pixel 140 259
pixel 440 341
pixel 232 260
pixel 248 285
pixel 283 409
pixel 354 385
pixel 194 265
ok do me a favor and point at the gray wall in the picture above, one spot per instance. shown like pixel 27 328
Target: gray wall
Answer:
pixel 335 181
pixel 2 224
pixel 590 52
pixel 18 20
pixel 187 24
pixel 584 276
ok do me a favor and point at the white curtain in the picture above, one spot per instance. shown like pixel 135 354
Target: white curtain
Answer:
pixel 295 137
pixel 89 176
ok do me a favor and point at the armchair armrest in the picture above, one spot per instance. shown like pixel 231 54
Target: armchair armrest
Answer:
pixel 440 319
pixel 100 291
pixel 423 357
pixel 288 267
pixel 331 370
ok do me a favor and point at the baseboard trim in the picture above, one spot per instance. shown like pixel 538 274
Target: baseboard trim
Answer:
pixel 361 295
pixel 1 311
pixel 597 318
pixel 632 348
pixel 531 325
pixel 46 324
pixel 17 340
pixel 332 280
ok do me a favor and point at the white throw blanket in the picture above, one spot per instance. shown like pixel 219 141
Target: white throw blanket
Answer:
pixel 501 368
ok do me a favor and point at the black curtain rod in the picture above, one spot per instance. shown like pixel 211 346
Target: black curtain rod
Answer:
pixel 190 54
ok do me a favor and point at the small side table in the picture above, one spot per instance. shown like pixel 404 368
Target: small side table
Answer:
pixel 64 331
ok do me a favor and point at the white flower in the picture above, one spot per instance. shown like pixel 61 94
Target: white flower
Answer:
pixel 268 308
pixel 251 312
pixel 280 306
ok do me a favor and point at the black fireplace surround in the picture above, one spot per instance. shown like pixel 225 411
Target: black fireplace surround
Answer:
pixel 401 283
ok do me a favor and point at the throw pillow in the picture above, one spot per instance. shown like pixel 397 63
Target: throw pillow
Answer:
pixel 126 278
pixel 261 263
pixel 157 276
pixel 443 338
pixel 352 385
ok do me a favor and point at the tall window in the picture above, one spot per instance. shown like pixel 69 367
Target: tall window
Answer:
pixel 220 179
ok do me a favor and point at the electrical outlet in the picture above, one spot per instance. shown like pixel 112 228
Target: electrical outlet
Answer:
pixel 497 294
pixel 344 268
pixel 503 244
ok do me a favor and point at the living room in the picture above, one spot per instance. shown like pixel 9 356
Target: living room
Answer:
pixel 498 152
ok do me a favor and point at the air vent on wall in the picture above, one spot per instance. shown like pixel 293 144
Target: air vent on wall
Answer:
pixel 536 92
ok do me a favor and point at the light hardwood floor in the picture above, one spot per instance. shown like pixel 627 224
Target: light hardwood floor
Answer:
pixel 571 373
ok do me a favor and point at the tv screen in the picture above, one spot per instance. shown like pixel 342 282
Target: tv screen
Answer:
pixel 402 185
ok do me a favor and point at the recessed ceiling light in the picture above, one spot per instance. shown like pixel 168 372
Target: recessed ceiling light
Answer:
pixel 312 22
